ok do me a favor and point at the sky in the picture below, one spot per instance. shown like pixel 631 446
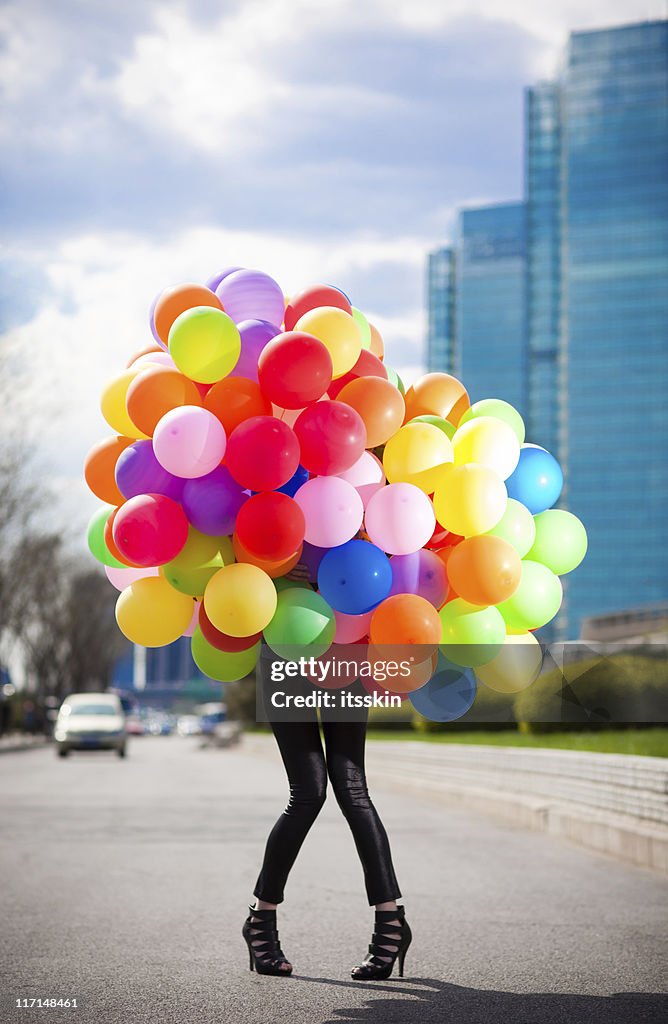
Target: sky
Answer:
pixel 146 144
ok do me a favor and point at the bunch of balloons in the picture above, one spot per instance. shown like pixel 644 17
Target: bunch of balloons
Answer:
pixel 270 478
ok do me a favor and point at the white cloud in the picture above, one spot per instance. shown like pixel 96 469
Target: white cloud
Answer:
pixel 95 317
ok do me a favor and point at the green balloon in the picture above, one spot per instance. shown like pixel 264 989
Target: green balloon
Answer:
pixel 437 421
pixel 97 543
pixel 561 541
pixel 224 666
pixel 363 325
pixel 517 526
pixel 472 635
pixel 500 410
pixel 302 619
pixel 395 379
pixel 536 600
pixel 283 583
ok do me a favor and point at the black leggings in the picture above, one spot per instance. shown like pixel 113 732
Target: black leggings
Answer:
pixel 307 769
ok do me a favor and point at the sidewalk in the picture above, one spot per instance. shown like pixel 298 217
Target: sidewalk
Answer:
pixel 14 741
pixel 613 803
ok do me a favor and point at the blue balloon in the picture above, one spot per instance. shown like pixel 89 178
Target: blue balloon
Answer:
pixel 537 479
pixel 355 577
pixel 448 695
pixel 299 477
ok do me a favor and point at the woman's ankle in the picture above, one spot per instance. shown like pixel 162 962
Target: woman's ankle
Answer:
pixel 263 905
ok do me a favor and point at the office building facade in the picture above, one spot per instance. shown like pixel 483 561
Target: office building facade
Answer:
pixel 590 336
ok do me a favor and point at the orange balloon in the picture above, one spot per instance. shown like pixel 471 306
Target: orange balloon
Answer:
pixel 235 399
pixel 377 346
pixel 100 465
pixel 110 542
pixel 484 570
pixel 273 569
pixel 437 394
pixel 380 405
pixel 177 300
pixel 405 619
pixel 155 391
pixel 146 350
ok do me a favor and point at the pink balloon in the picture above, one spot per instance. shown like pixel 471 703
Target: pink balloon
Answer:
pixel 332 508
pixel 350 628
pixel 155 359
pixel 189 441
pixel 366 475
pixel 122 578
pixel 194 622
pixel 400 519
pixel 422 573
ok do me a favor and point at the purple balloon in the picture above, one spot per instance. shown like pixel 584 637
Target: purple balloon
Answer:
pixel 421 573
pixel 254 336
pixel 214 281
pixel 151 322
pixel 311 557
pixel 251 295
pixel 212 502
pixel 139 472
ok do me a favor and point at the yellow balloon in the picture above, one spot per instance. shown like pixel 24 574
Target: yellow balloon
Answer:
pixel 469 499
pixel 488 442
pixel 240 599
pixel 151 613
pixel 515 667
pixel 338 332
pixel 416 454
pixel 112 403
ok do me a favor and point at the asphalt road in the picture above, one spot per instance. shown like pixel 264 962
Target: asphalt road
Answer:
pixel 124 885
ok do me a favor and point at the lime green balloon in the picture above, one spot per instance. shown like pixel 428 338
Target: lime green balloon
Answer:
pixel 205 344
pixel 224 666
pixel 196 563
pixel 436 421
pixel 536 600
pixel 96 542
pixel 472 635
pixel 395 379
pixel 517 526
pixel 561 541
pixel 302 619
pixel 500 410
pixel 363 325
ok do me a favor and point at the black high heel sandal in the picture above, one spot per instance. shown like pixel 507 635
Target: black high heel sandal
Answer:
pixel 374 967
pixel 264 949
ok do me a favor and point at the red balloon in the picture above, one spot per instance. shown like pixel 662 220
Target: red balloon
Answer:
pixel 262 453
pixel 311 298
pixel 150 529
pixel 441 538
pixel 109 537
pixel 367 365
pixel 332 436
pixel 223 641
pixel 270 526
pixel 294 370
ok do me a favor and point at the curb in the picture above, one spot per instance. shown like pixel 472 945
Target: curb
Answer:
pixel 11 746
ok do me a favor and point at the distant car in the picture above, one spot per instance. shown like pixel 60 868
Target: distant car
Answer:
pixel 90 721
pixel 134 726
pixel 189 725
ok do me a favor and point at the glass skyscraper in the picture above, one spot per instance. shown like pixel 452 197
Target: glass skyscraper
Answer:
pixel 588 345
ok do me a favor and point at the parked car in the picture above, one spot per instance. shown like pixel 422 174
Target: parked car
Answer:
pixel 189 725
pixel 90 721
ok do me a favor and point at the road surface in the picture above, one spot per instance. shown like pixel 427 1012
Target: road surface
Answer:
pixel 124 885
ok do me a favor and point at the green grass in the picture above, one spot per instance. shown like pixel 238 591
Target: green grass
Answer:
pixel 651 742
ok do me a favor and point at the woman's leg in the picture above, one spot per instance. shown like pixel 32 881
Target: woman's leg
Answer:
pixel 345 765
pixel 302 753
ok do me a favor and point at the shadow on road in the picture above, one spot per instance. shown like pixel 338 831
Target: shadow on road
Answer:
pixel 437 1001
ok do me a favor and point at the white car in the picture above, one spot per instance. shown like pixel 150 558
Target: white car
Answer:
pixel 90 721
